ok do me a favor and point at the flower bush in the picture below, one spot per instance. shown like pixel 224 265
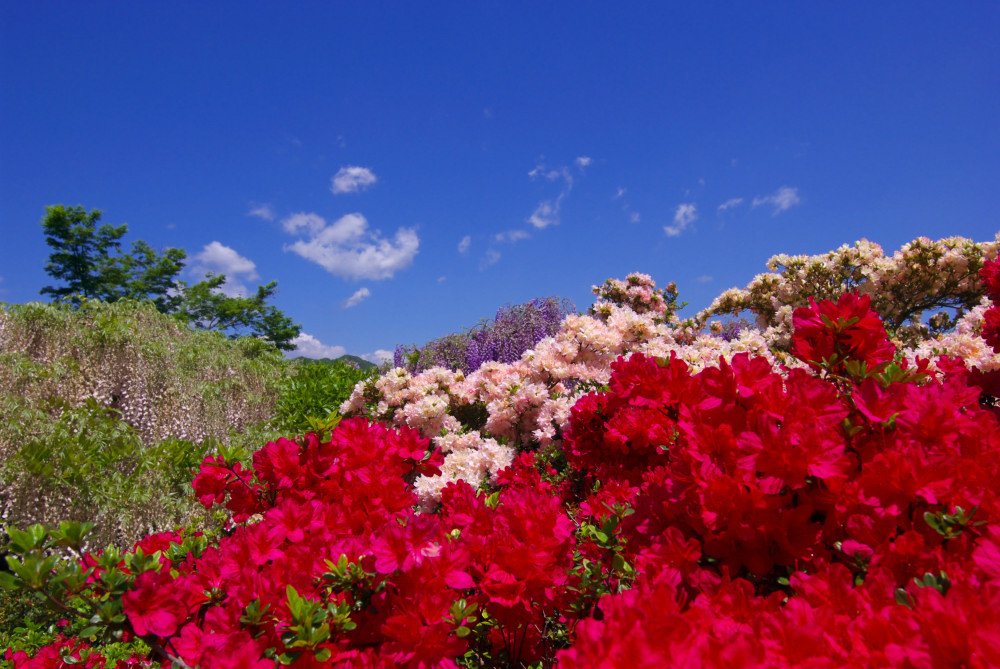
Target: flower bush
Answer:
pixel 526 403
pixel 921 276
pixel 512 331
pixel 833 506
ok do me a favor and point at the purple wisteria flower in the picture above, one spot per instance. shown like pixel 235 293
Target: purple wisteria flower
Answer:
pixel 513 330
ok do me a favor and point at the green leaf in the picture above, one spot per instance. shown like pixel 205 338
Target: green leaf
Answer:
pixel 288 657
pixel 89 632
pixel 294 602
pixel 25 541
pixel 9 581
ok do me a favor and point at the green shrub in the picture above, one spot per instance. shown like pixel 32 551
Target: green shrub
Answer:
pixel 314 389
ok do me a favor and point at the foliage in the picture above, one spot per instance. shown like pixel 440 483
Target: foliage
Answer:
pixel 205 307
pixel 104 410
pixel 28 624
pixel 87 464
pixel 512 331
pixel 89 260
pixel 354 360
pixel 313 389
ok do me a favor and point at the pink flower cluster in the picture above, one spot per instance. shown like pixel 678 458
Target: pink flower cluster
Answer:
pixel 637 292
pixel 527 402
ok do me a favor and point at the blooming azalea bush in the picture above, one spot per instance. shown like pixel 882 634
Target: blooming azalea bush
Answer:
pixel 921 276
pixel 525 404
pixel 845 520
pixel 838 510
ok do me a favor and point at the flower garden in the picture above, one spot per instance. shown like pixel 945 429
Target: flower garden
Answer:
pixel 818 490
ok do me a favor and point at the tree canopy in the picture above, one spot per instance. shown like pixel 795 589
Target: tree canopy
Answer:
pixel 88 260
pixel 204 306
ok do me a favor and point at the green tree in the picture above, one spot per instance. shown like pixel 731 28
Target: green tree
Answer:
pixel 204 306
pixel 87 258
pixel 153 277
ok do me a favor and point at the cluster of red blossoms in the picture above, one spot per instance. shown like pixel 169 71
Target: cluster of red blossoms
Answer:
pixel 796 520
pixel 991 281
pixel 842 516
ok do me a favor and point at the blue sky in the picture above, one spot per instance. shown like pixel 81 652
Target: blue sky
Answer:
pixel 404 169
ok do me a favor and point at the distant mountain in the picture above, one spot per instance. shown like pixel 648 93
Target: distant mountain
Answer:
pixel 360 362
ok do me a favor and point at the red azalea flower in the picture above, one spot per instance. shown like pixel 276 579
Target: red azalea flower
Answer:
pixel 828 333
pixel 991 328
pixel 990 274
pixel 152 606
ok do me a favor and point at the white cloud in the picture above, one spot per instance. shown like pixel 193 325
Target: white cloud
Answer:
pixel 683 217
pixel 441 279
pixel 356 298
pixel 730 203
pixel 491 258
pixel 783 199
pixel 307 346
pixel 220 259
pixel 546 213
pixel 352 179
pixel 310 224
pixel 553 174
pixel 511 236
pixel 378 357
pixel 583 161
pixel 704 278
pixel 620 193
pixel 463 246
pixel 264 211
pixel 346 248
pixel 634 217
